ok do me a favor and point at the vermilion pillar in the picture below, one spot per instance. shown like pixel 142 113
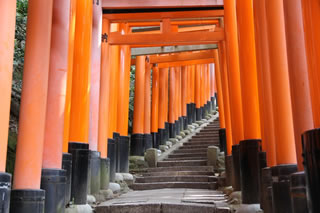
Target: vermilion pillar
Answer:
pixel 184 94
pixel 95 76
pixel 221 60
pixel 34 97
pixel 163 126
pixel 137 147
pixel 177 98
pixel 7 23
pixel 311 14
pixel 197 92
pixel 57 86
pixel 284 134
pixel 232 57
pixel 123 87
pixel 166 103
pixel 172 103
pixel 80 99
pixel 213 85
pixel 298 73
pixel 104 92
pixel 264 82
pixel 72 24
pixel 147 107
pixel 216 67
pixel 155 105
pixel 193 92
pixel 248 70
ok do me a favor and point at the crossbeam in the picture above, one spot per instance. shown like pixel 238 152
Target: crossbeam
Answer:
pixel 132 4
pixel 170 49
pixel 185 63
pixel 156 16
pixel 165 39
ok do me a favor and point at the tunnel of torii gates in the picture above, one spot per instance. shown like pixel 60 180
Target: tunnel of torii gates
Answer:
pixel 260 58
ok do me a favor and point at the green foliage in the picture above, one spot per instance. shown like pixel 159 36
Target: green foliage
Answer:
pixel 20 39
pixel 131 97
pixel 11 152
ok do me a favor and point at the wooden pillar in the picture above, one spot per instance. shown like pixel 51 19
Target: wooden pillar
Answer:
pixel 216 67
pixel 147 106
pixel 311 14
pixel 7 23
pixel 298 74
pixel 95 76
pixel 221 59
pixel 72 28
pixel 264 82
pixel 34 96
pixel 57 85
pixel 166 94
pixel 114 63
pixel 137 147
pixel 172 101
pixel 104 104
pixel 184 91
pixel 162 102
pixel 123 87
pixel 248 70
pixel 284 134
pixel 232 55
pixel 156 116
pixel 197 92
pixel 80 98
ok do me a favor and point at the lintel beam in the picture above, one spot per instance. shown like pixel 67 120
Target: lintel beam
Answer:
pixel 165 39
pixel 185 63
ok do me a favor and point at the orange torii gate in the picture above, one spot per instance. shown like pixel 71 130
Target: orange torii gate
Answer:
pixel 78 101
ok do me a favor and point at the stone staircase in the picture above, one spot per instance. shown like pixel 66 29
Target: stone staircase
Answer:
pixel 186 167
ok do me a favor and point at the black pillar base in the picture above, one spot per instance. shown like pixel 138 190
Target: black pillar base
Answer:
pixel 229 169
pixel 194 113
pixel 177 122
pixel 266 195
pixel 250 171
pixel 162 138
pixel 53 182
pixel 236 182
pixel 5 190
pixel 67 165
pixel 223 140
pixel 105 173
pixel 116 137
pixel 281 187
pixel 311 155
pixel 181 125
pixel 189 114
pixel 203 111
pixel 298 192
pixel 137 145
pixel 112 157
pixel 172 130
pixel 216 98
pixel 185 122
pixel 154 140
pixel 166 132
pixel 80 170
pixel 198 114
pixel 95 166
pixel 89 174
pixel 27 200
pixel 124 153
pixel 213 104
pixel 147 141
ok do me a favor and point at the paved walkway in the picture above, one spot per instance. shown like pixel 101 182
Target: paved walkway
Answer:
pixel 167 201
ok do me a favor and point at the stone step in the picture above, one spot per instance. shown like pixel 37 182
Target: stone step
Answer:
pixel 198 146
pixel 201 143
pixel 186 155
pixel 189 185
pixel 176 173
pixel 207 134
pixel 186 158
pixel 205 137
pixel 182 168
pixel 203 140
pixel 181 151
pixel 189 178
pixel 182 163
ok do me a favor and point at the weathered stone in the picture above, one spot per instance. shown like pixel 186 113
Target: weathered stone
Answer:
pixel 173 140
pixel 186 132
pixel 91 199
pixel 182 134
pixel 223 210
pixel 79 209
pixel 115 188
pixel 118 178
pixel 104 195
pixel 163 148
pixel 151 157
pixel 191 127
pixel 179 137
pixel 137 162
pixel 195 125
pixel 169 143
pixel 212 155
pixel 227 190
pixel 199 123
pixel 249 208
pixel 128 178
pixel 235 198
